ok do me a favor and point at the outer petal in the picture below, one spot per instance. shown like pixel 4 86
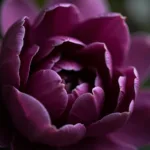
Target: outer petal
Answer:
pixel 107 124
pixel 47 87
pixel 9 57
pixel 12 10
pixel 110 29
pixel 57 20
pixel 88 8
pixel 139 54
pixel 32 120
pixel 137 132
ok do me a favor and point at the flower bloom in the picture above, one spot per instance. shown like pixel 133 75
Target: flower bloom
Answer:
pixel 64 82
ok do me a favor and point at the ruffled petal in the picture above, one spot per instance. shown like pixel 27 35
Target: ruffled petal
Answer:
pixel 88 8
pixel 32 120
pixel 107 124
pixel 137 132
pixel 47 87
pixel 139 54
pixel 87 107
pixel 110 29
pixel 11 49
pixel 57 20
pixel 12 10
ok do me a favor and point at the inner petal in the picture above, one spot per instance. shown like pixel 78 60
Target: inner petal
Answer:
pixel 73 75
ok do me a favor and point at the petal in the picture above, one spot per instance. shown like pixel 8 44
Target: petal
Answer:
pixel 139 54
pixel 97 56
pixel 32 120
pixel 57 20
pixel 9 58
pixel 110 29
pixel 26 59
pixel 88 8
pixel 105 143
pixel 68 65
pixel 131 89
pixel 137 132
pixel 47 87
pixel 58 44
pixel 87 107
pixel 10 9
pixel 107 124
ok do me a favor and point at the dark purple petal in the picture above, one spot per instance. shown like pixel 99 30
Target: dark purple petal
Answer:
pixel 88 8
pixel 87 107
pixel 139 54
pixel 131 89
pixel 110 29
pixel 104 143
pixel 107 124
pixel 97 56
pixel 11 48
pixel 137 132
pixel 12 10
pixel 58 44
pixel 67 65
pixel 47 87
pixel 56 20
pixel 26 59
pixel 32 120
pixel 80 89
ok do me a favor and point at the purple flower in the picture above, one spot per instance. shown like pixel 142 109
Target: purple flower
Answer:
pixel 66 81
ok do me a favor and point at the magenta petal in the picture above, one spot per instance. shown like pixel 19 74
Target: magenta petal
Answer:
pixel 32 120
pixel 139 54
pixel 26 59
pixel 23 110
pixel 110 29
pixel 88 8
pixel 137 132
pixel 12 10
pixel 10 51
pixel 107 124
pixel 57 20
pixel 47 87
pixel 66 135
pixel 86 108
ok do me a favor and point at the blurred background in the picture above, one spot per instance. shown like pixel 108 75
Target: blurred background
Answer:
pixel 138 19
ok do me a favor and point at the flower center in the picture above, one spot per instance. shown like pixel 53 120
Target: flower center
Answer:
pixel 72 78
